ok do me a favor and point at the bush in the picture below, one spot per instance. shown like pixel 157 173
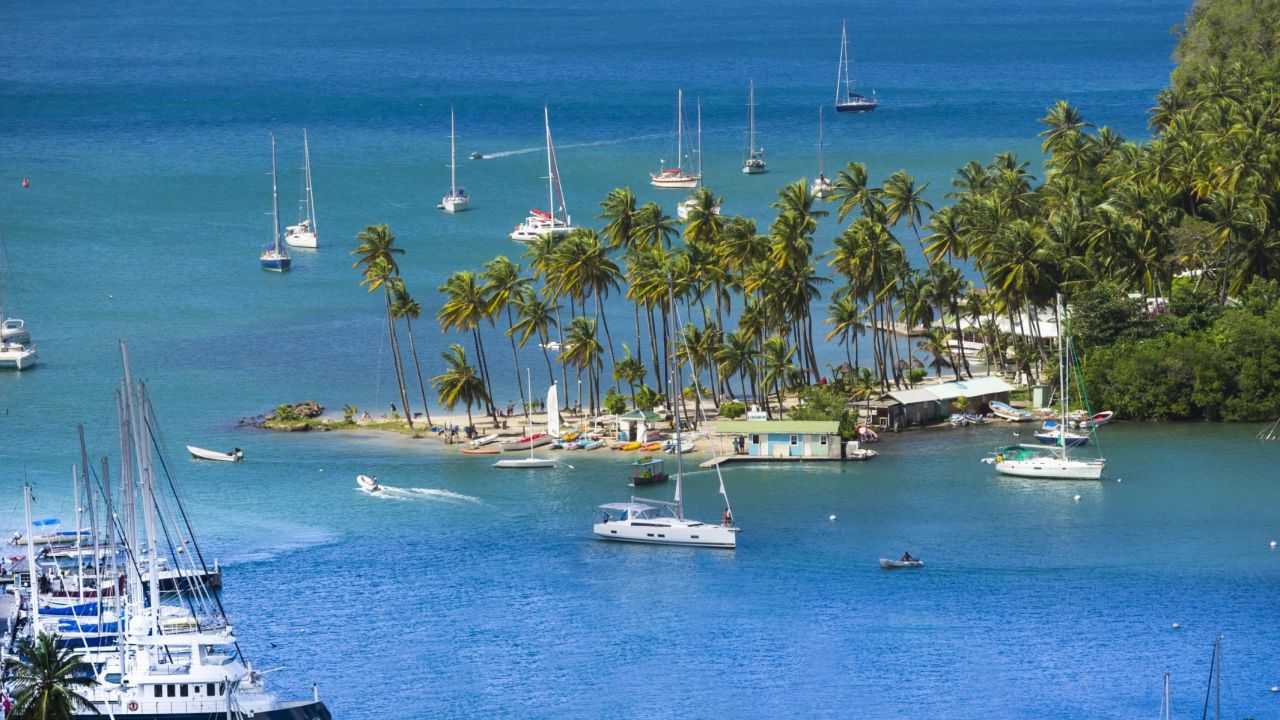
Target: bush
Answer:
pixel 732 410
pixel 646 398
pixel 349 413
pixel 286 413
pixel 615 403
pixel 822 402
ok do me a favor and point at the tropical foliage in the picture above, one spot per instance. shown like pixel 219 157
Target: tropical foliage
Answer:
pixel 45 681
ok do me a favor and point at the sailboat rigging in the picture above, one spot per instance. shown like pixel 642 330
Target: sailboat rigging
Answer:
pixel 822 185
pixel 754 164
pixel 555 221
pixel 274 257
pixel 457 199
pixel 676 177
pixel 304 234
pixel 846 99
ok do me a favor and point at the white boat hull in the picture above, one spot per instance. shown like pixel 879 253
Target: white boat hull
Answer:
pixel 1052 469
pixel 525 463
pixel 202 454
pixel 454 204
pixel 517 446
pixel 669 531
pixel 673 181
pixel 17 357
pixel 294 236
pixel 367 483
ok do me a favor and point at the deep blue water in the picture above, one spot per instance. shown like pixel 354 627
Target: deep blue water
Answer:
pixel 143 129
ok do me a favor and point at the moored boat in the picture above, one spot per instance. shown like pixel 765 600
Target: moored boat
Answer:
pixel 367 483
pixel 274 257
pixel 199 453
pixel 304 234
pixel 1098 419
pixel 555 221
pixel 648 471
pixel 527 442
pixel 754 164
pixel 846 99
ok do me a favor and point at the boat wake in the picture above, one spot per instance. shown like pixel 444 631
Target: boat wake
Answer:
pixel 404 494
pixel 542 148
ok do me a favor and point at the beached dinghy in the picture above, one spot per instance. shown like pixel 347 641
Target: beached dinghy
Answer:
pixel 1008 412
pixel 368 484
pixel 888 564
pixel 482 441
pixel 201 454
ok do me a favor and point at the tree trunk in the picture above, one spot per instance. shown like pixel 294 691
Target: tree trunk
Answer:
pixel 398 362
pixel 413 347
pixel 515 358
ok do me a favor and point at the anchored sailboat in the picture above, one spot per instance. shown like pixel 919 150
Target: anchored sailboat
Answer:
pixel 304 234
pixel 846 99
pixel 754 163
pixel 457 199
pixel 274 257
pixel 553 429
pixel 821 186
pixel 555 221
pixel 676 177
pixel 686 206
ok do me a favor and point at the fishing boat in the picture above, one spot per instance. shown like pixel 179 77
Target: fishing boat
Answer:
pixel 846 99
pixel 648 471
pixel 888 564
pixel 554 221
pixel 368 484
pixel 553 426
pixel 304 234
pixel 274 257
pixel 1010 413
pixel 822 186
pixel 853 450
pixel 1051 461
pixel 199 453
pixel 457 199
pixel 754 164
pixel 662 522
pixel 676 177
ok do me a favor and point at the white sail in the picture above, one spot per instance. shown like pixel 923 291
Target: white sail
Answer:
pixel 553 411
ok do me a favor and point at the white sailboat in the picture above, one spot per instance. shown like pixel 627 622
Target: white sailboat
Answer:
pixel 822 186
pixel 658 522
pixel 457 199
pixel 676 177
pixel 1050 461
pixel 687 205
pixel 846 99
pixel 555 221
pixel 304 234
pixel 553 429
pixel 274 257
pixel 16 350
pixel 754 163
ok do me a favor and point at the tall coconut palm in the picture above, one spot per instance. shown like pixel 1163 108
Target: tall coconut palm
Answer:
pixel 1063 121
pixel 534 316
pixel 850 189
pixel 45 681
pixel 464 308
pixel 653 226
pixel 377 256
pixel 629 370
pixel 619 209
pixel 460 382
pixel 736 357
pixel 582 350
pixel 905 201
pixel 846 319
pixel 779 369
pixel 503 286
pixel 404 306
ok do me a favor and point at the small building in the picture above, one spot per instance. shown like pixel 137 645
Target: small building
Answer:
pixel 636 425
pixel 929 404
pixel 785 439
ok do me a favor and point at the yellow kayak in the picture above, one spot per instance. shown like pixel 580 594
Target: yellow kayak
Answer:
pixel 570 436
pixel 630 446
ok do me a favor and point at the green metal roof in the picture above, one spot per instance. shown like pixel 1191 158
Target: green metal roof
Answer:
pixel 788 427
pixel 640 415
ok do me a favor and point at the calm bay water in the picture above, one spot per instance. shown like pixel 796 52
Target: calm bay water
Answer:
pixel 144 128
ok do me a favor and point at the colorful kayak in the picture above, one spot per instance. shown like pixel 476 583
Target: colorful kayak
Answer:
pixel 630 446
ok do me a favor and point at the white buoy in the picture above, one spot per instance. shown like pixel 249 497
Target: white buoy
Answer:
pixel 1275 688
pixel 832 518
pixel 1273 544
pixel 1177 625
pixel 1077 498
pixel 1119 480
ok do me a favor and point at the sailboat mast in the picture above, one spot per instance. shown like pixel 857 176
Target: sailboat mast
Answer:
pixel 453 158
pixel 699 142
pixel 1062 373
pixel 751 116
pixel 142 454
pixel 675 404
pixel 680 129
pixel 844 53
pixel 275 199
pixel 529 430
pixel 31 557
pixel 820 169
pixel 551 174
pixel 311 197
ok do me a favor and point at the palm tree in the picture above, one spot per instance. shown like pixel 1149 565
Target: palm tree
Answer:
pixel 459 382
pixel 406 307
pixel 846 319
pixel 1063 121
pixel 619 208
pixel 903 200
pixel 47 684
pixel 536 316
pixel 737 357
pixel 582 350
pixel 936 344
pixel 850 189
pixel 503 287
pixel 377 255
pixel 779 370
pixel 629 370
pixel 464 308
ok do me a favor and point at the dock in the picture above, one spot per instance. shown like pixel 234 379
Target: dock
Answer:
pixel 723 459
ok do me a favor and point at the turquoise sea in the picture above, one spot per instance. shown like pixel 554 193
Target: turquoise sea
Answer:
pixel 143 128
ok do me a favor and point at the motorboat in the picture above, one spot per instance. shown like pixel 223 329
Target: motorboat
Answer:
pixel 866 434
pixel 853 450
pixel 888 564
pixel 1098 420
pixel 456 200
pixel 1038 461
pixel 648 471
pixel 199 453
pixel 274 257
pixel 304 235
pixel 477 155
pixel 368 484
pixel 1005 411
pixel 16 355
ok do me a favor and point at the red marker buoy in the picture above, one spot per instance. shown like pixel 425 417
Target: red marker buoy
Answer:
pixel 26 183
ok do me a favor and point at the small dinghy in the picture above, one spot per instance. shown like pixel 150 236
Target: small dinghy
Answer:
pixel 481 451
pixel 368 484
pixel 482 441
pixel 1098 420
pixel 888 564
pixel 201 454
pixel 592 444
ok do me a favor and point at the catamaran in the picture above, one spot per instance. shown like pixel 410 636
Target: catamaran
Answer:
pixel 457 199
pixel 274 257
pixel 1050 461
pixel 822 185
pixel 553 429
pixel 659 522
pixel 555 221
pixel 846 99
pixel 304 234
pixel 754 164
pixel 676 177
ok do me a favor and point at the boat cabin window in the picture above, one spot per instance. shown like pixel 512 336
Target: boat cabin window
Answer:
pixel 185 690
pixel 159 691
pixel 795 440
pixel 208 689
pixel 222 689
pixel 172 691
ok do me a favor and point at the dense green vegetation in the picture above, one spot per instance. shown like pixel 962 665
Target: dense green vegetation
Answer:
pixel 1222 32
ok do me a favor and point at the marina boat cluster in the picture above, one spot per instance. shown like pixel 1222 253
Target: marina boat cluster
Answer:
pixel 129 591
